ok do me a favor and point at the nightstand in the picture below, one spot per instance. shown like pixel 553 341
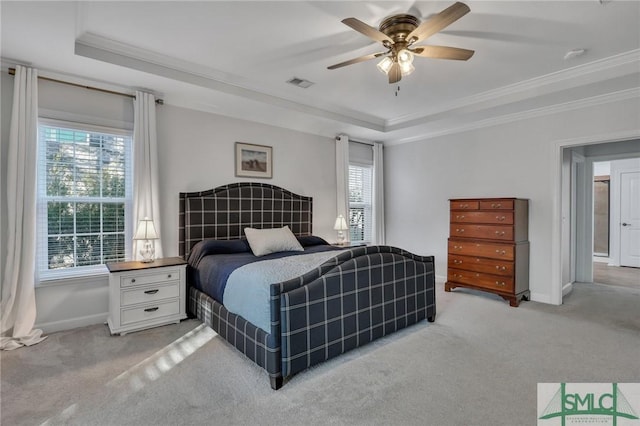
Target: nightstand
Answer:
pixel 145 295
pixel 349 244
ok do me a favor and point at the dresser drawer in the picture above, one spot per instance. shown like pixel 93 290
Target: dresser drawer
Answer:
pixel 491 250
pixel 464 205
pixel 164 275
pixel 479 279
pixel 134 295
pixel 149 312
pixel 504 218
pixel 496 205
pixel 481 264
pixel 489 232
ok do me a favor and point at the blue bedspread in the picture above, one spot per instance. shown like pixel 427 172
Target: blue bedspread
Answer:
pixel 211 262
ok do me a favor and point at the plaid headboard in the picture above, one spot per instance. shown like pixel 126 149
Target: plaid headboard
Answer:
pixel 223 213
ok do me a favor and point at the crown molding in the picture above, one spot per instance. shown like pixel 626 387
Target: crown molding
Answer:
pixel 603 69
pixel 633 93
pixel 103 49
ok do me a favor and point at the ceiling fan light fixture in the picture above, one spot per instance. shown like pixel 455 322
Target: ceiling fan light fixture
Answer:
pixel 385 65
pixel 406 68
pixel 405 57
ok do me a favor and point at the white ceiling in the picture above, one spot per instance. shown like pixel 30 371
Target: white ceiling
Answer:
pixel 234 58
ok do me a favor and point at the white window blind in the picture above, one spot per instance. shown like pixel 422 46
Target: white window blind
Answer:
pixel 84 198
pixel 360 202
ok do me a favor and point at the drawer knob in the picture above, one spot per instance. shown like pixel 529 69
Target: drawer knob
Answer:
pixel 502 252
pixel 459 229
pixel 501 268
pixel 151 291
pixel 457 262
pixel 460 217
pixel 496 205
pixel 501 233
pixel 133 280
pixel 500 218
pixel 169 276
pixel 500 283
pixel 151 309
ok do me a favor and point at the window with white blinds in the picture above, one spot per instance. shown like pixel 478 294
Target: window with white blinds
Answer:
pixel 84 198
pixel 360 202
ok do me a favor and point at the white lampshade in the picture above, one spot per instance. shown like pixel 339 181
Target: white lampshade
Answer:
pixel 146 230
pixel 341 224
pixel 385 65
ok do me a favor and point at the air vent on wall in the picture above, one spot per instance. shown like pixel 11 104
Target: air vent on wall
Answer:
pixel 300 82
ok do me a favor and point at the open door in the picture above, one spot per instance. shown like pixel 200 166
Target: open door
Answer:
pixel 630 219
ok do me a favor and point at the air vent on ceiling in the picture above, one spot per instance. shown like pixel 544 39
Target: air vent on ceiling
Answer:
pixel 300 82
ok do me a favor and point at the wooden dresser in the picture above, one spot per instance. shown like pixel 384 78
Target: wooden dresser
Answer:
pixel 489 247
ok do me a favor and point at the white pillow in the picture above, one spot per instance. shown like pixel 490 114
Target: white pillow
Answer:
pixel 266 241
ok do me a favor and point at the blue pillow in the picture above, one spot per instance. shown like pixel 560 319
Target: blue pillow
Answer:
pixel 212 246
pixel 311 240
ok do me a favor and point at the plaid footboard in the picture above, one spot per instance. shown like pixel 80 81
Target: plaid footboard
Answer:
pixel 357 297
pixel 255 343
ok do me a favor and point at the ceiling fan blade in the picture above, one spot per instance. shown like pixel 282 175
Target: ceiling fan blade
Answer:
pixel 367 30
pixel 439 22
pixel 395 74
pixel 442 52
pixel 356 60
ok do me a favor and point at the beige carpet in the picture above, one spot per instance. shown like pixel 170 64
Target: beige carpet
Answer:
pixel 478 364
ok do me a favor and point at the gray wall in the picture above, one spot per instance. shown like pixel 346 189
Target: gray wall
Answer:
pixel 510 160
pixel 196 152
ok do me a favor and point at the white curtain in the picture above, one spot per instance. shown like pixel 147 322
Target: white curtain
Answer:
pixel 342 178
pixel 18 281
pixel 146 197
pixel 378 195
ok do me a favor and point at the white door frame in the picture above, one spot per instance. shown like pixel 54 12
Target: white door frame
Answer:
pixel 561 218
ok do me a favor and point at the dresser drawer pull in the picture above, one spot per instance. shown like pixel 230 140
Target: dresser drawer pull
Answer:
pixel 169 276
pixel 501 268
pixel 457 276
pixel 151 291
pixel 496 206
pixel 500 218
pixel 457 247
pixel 459 229
pixel 133 280
pixel 502 252
pixel 151 309
pixel 457 262
pixel 500 233
pixel 500 283
pixel 459 216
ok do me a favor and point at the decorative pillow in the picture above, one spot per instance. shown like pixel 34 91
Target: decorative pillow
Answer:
pixel 212 246
pixel 265 241
pixel 312 240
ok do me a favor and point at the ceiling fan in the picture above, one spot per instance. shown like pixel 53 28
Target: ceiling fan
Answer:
pixel 399 33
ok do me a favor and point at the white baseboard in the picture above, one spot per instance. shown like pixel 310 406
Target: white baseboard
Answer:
pixel 441 278
pixel 566 289
pixel 541 298
pixel 68 324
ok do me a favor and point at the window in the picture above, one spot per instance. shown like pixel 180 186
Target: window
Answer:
pixel 360 203
pixel 84 198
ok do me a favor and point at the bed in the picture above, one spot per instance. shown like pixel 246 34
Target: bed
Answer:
pixel 353 297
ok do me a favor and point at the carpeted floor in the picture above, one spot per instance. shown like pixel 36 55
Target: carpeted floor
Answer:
pixel 478 364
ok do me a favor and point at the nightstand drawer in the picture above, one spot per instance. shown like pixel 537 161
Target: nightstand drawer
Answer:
pixel 149 312
pixel 136 295
pixel 165 275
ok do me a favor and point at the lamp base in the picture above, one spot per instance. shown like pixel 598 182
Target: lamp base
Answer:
pixel 148 252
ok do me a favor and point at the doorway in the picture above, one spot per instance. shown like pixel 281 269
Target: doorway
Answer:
pixel 605 206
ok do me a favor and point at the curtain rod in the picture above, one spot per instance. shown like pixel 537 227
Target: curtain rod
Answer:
pixel 12 71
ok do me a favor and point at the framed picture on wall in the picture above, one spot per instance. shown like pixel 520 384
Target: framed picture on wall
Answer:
pixel 254 160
